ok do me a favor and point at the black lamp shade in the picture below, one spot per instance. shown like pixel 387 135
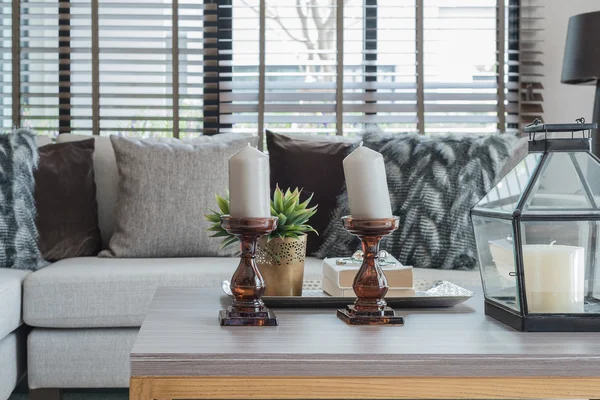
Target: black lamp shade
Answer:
pixel 581 63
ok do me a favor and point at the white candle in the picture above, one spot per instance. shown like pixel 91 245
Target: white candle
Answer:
pixel 554 278
pixel 366 183
pixel 249 184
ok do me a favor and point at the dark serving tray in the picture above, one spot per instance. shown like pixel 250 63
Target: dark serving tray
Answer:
pixel 428 294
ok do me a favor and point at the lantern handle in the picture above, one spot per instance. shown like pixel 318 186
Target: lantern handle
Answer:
pixel 536 122
pixel 589 131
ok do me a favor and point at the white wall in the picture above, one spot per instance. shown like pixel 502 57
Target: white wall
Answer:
pixel 563 103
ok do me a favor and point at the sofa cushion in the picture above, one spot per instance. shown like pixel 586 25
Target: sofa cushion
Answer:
pixel 165 188
pixel 80 358
pixel 107 177
pixel 65 196
pixel 433 183
pixel 12 361
pixel 89 292
pixel 18 233
pixel 316 167
pixel 11 282
pixel 107 181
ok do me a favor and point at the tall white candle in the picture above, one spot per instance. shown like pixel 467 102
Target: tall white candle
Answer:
pixel 249 184
pixel 366 182
pixel 554 278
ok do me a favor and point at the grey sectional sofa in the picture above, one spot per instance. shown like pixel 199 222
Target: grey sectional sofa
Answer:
pixel 84 313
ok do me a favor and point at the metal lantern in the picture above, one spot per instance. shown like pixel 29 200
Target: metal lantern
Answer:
pixel 537 235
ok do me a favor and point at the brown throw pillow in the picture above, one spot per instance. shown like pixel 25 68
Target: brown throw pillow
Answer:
pixel 314 165
pixel 65 196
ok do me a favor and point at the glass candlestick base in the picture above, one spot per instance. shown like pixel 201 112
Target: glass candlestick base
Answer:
pixel 247 284
pixel 370 284
pixel 387 316
pixel 234 317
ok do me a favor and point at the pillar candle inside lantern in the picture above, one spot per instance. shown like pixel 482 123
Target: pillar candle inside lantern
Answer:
pixel 554 278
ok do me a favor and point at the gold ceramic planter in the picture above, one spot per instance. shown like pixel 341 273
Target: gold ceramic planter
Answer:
pixel 281 263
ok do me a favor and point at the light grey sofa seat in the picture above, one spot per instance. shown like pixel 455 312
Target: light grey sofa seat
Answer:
pixel 79 358
pixel 91 292
pixel 11 293
pixel 12 339
pixel 105 300
pixel 12 361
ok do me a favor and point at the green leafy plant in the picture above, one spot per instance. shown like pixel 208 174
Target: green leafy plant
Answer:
pixel 292 216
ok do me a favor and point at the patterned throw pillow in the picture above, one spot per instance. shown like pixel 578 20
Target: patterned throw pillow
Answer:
pixel 433 181
pixel 18 233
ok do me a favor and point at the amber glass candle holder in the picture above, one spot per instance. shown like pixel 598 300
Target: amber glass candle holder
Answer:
pixel 370 284
pixel 247 284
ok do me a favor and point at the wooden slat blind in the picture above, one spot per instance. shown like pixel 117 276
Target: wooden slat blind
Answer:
pixel 187 67
pixel 524 64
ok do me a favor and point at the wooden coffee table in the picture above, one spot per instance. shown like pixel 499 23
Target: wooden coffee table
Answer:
pixel 181 352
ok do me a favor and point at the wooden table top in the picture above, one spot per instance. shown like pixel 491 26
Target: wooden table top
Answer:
pixel 181 336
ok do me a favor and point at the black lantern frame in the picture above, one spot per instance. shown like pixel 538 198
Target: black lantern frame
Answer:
pixel 522 319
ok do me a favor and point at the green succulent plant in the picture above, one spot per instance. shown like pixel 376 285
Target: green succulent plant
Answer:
pixel 292 216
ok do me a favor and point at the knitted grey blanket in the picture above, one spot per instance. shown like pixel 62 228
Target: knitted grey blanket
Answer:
pixel 433 182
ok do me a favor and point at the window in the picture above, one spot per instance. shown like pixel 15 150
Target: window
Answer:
pixel 187 67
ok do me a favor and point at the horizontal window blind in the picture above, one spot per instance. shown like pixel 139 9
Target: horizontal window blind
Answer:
pixel 461 68
pixel 41 25
pixel 151 67
pixel 300 66
pixel 187 67
pixel 432 66
pixel 76 69
pixel 6 69
pixel 524 62
pixel 380 75
pixel 238 52
pixel 131 67
pixel 136 63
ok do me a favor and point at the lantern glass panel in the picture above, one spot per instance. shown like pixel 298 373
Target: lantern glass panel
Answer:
pixel 495 248
pixel 561 185
pixel 591 169
pixel 505 196
pixel 560 266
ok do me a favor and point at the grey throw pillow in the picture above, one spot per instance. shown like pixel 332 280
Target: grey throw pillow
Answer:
pixel 165 188
pixel 433 182
pixel 18 233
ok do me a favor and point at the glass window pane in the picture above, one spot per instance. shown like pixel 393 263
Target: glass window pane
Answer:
pixel 506 194
pixel 40 66
pixel 6 69
pixel 238 61
pixel 591 170
pixel 559 264
pixel 300 66
pixel 497 260
pixel 559 186
pixel 460 66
